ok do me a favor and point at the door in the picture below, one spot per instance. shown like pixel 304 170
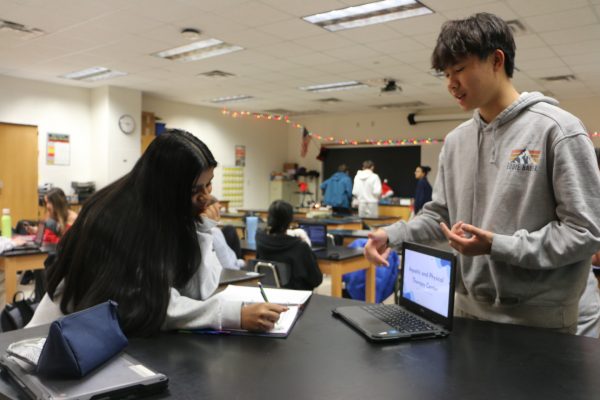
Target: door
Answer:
pixel 19 170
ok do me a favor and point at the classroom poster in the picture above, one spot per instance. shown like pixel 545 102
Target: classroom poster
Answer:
pixel 240 156
pixel 233 186
pixel 58 149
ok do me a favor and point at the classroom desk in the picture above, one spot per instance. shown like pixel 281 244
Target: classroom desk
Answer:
pixel 394 210
pixel 323 358
pixel 232 217
pixel 349 260
pixel 264 213
pixel 352 223
pixel 387 220
pixel 349 235
pixel 237 277
pixel 19 261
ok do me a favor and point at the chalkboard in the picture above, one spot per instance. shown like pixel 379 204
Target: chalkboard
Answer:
pixel 397 164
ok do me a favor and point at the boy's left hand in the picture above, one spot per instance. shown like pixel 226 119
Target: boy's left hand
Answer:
pixel 479 242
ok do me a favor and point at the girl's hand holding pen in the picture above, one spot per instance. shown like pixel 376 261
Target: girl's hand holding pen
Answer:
pixel 261 316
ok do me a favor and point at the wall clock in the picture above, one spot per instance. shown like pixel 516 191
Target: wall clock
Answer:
pixel 126 124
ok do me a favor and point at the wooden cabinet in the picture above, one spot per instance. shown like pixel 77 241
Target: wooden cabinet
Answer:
pixel 148 129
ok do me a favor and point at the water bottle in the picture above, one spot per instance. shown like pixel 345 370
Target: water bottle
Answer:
pixel 251 226
pixel 6 223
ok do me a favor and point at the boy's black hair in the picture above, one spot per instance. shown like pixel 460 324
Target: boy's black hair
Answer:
pixel 479 35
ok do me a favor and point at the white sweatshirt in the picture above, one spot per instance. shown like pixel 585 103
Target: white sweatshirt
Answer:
pixel 367 186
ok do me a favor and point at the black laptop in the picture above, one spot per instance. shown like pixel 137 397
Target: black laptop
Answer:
pixel 317 233
pixel 426 301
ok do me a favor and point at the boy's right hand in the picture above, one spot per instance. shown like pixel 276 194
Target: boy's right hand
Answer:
pixel 376 250
pixel 261 316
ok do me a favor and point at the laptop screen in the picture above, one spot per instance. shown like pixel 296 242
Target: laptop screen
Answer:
pixel 427 281
pixel 317 233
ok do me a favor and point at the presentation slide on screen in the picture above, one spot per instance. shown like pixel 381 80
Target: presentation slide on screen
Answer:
pixel 427 281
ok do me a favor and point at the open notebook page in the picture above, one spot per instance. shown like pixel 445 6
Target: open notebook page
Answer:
pixel 251 294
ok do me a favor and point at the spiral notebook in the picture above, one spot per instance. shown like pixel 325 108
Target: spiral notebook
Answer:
pixel 295 300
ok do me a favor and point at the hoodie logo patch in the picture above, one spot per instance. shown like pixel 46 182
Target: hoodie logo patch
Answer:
pixel 524 160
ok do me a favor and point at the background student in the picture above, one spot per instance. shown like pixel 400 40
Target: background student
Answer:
pixel 274 244
pixel 140 243
pixel 423 191
pixel 225 254
pixel 338 190
pixel 517 190
pixel 59 217
pixel 367 189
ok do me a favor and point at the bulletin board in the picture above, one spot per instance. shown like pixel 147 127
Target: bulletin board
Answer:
pixel 58 149
pixel 233 186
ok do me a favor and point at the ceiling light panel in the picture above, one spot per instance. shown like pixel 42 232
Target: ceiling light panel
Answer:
pixel 93 74
pixel 20 29
pixel 368 14
pixel 231 99
pixel 198 50
pixel 330 87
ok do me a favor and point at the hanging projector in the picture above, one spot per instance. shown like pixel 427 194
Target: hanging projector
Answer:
pixel 390 86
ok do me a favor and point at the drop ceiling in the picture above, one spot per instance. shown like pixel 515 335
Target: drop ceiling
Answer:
pixel 282 52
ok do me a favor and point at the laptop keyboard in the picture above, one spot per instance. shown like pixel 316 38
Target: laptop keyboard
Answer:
pixel 398 318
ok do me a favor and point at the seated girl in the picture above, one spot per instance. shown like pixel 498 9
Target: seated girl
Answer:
pixel 274 244
pixel 59 217
pixel 139 241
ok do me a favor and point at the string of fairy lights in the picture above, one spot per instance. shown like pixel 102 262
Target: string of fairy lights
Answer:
pixel 340 141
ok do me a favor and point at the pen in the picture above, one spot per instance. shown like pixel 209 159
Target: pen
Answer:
pixel 262 292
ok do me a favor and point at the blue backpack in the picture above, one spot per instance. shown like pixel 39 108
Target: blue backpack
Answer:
pixel 386 277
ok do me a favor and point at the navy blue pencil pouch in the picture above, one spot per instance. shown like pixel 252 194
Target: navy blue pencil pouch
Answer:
pixel 82 341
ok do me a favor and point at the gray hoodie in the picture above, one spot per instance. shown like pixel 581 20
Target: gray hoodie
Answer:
pixel 531 177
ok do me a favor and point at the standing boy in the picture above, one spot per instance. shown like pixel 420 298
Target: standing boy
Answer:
pixel 367 189
pixel 517 193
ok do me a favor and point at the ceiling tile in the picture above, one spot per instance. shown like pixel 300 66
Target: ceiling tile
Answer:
pixel 497 8
pixel 536 7
pixel 528 41
pixel 534 54
pixel 562 20
pixel 291 29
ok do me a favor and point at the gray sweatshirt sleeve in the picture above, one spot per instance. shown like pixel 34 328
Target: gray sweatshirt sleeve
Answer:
pixel 215 313
pixel 225 255
pixel 575 234
pixel 426 226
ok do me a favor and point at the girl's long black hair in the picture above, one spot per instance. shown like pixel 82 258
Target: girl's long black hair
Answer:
pixel 281 214
pixel 136 238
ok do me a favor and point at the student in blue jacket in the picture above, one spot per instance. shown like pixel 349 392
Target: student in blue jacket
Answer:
pixel 338 190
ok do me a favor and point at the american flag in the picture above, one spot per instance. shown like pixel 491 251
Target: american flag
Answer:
pixel 305 141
